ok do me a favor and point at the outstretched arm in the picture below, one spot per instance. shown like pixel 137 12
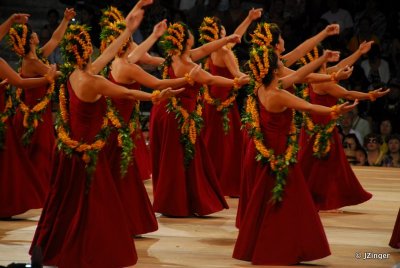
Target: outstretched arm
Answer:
pixel 132 23
pixel 301 73
pixel 141 50
pixel 6 72
pixel 205 50
pixel 338 91
pixel 58 34
pixel 252 16
pixel 309 44
pixel 350 60
pixel 14 18
pixel 231 63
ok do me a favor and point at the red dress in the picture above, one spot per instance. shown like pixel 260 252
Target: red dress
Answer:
pixel 395 239
pixel 331 180
pixel 40 148
pixel 284 233
pixel 21 188
pixel 138 207
pixel 178 190
pixel 81 227
pixel 223 148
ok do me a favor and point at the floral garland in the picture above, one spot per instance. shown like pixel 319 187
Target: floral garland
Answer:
pixel 8 111
pixel 209 30
pixel 125 132
pixel 259 38
pixel 279 164
pixel 190 125
pixel 18 42
pixel 33 115
pixel 221 106
pixel 323 133
pixel 69 146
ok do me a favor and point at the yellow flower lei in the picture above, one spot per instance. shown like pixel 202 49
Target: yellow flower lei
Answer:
pixel 259 38
pixel 7 112
pixel 208 26
pixel 125 132
pixel 18 42
pixel 279 164
pixel 221 106
pixel 69 146
pixel 322 133
pixel 33 115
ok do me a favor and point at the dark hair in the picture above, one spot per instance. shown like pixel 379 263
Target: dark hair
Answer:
pixel 372 136
pixel 258 56
pixel 18 29
pixel 354 137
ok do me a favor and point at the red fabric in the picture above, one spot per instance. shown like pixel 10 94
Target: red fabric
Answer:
pixel 395 239
pixel 21 188
pixel 224 149
pixel 339 186
pixel 132 191
pixel 79 226
pixel 179 190
pixel 285 233
pixel 40 149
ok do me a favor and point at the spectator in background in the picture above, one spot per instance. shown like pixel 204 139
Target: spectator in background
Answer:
pixel 392 157
pixel 346 123
pixel 391 107
pixel 341 16
pixel 363 34
pixel 360 124
pixel 372 143
pixel 361 157
pixel 377 19
pixel 375 68
pixel 351 145
pixel 385 130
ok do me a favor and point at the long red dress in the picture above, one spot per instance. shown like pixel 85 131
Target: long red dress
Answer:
pixel 224 149
pixel 40 148
pixel 395 239
pixel 133 194
pixel 81 227
pixel 21 188
pixel 331 180
pixel 178 190
pixel 284 233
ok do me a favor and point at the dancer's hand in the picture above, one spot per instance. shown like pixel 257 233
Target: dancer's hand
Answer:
pixel 160 28
pixel 69 14
pixel 243 80
pixel 365 47
pixel 233 38
pixel 255 13
pixel 4 83
pixel 195 71
pixel 20 18
pixel 377 93
pixel 143 3
pixel 52 73
pixel 346 107
pixel 332 29
pixel 344 73
pixel 331 56
pixel 168 93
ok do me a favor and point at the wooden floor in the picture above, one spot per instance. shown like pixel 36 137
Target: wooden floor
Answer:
pixel 208 242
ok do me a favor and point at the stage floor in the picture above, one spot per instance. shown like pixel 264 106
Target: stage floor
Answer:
pixel 208 242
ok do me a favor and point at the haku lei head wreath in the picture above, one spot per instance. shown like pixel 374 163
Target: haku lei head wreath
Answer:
pixel 19 35
pixel 112 25
pixel 262 63
pixel 76 46
pixel 265 34
pixel 210 30
pixel 173 42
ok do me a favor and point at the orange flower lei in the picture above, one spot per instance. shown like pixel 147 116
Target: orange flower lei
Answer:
pixel 125 132
pixel 7 112
pixel 74 41
pixel 278 164
pixel 322 133
pixel 16 41
pixel 69 146
pixel 34 115
pixel 259 38
pixel 208 26
pixel 221 106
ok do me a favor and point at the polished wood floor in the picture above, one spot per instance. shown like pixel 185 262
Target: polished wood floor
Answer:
pixel 208 242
